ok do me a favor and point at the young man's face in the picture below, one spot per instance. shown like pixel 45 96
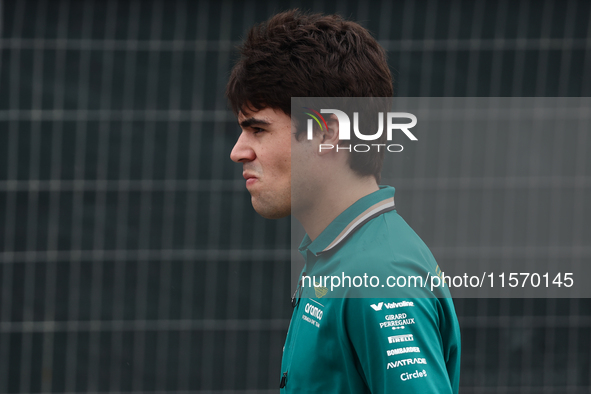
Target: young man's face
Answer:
pixel 264 149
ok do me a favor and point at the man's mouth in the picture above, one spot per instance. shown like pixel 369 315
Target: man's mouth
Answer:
pixel 250 178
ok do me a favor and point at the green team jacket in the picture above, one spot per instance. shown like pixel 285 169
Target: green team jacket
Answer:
pixel 370 337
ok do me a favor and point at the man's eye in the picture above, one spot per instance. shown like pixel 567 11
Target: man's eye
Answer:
pixel 257 130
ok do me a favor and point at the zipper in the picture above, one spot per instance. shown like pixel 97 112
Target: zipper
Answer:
pixel 291 345
pixel 283 380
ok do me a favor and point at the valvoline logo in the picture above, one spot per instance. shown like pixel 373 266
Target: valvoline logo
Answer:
pixel 391 305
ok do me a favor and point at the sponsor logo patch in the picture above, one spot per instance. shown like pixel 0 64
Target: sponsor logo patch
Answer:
pixel 414 375
pixel 408 361
pixel 391 305
pixel 397 323
pixel 401 338
pixel 402 350
pixel 320 291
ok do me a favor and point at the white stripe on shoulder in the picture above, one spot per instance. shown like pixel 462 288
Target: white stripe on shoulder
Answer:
pixel 371 211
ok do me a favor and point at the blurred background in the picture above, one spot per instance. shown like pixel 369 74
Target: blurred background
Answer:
pixel 131 259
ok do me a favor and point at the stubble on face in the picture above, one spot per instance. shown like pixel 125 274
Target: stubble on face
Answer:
pixel 265 152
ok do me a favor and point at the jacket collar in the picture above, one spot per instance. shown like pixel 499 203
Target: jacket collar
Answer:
pixel 351 219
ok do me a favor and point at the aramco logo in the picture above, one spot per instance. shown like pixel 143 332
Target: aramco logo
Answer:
pixel 345 129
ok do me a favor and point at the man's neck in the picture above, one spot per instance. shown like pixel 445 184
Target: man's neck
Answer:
pixel 334 201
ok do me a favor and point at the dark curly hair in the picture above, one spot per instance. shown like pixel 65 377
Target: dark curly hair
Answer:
pixel 296 54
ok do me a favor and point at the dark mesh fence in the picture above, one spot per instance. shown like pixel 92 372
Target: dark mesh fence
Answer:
pixel 131 259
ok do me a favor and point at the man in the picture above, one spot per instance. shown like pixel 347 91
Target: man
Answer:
pixel 353 340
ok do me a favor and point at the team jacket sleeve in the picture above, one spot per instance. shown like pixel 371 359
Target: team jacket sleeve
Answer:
pixel 403 345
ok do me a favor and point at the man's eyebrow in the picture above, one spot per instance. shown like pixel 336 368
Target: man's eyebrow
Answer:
pixel 253 121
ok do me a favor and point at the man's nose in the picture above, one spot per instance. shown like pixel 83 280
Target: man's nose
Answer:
pixel 242 150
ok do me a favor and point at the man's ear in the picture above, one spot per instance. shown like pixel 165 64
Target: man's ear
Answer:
pixel 330 136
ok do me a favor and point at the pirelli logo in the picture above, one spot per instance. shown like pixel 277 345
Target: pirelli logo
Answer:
pixel 401 338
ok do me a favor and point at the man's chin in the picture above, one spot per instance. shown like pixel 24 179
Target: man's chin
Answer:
pixel 269 211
